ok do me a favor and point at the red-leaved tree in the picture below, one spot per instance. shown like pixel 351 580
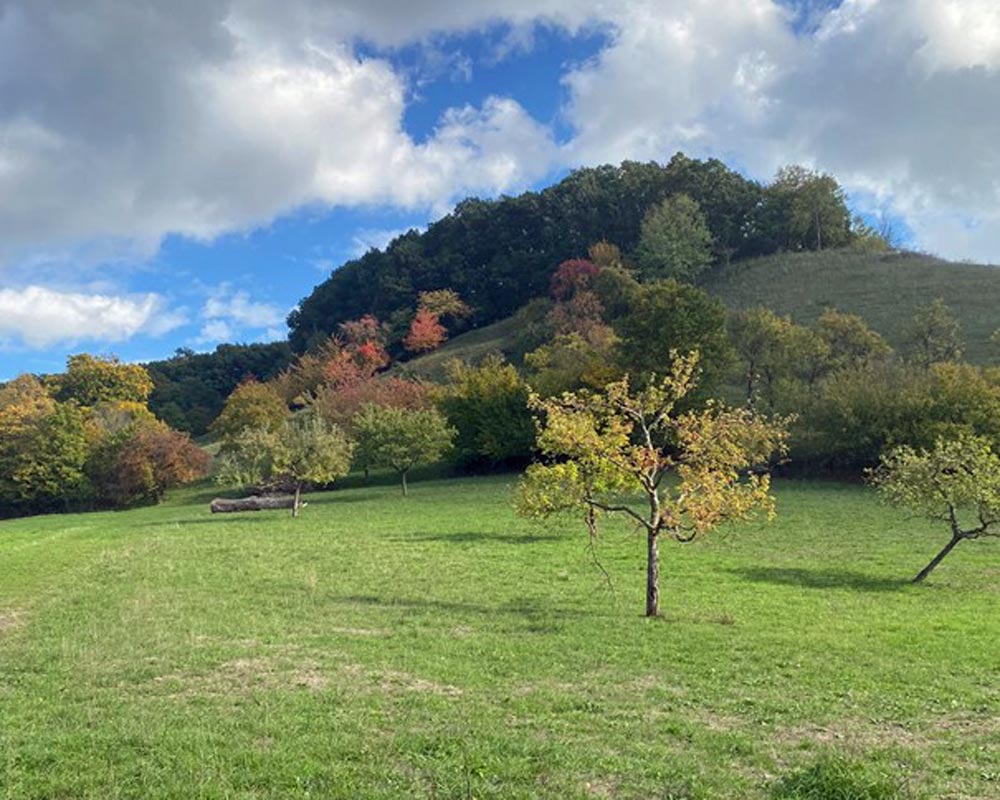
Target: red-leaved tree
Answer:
pixel 426 332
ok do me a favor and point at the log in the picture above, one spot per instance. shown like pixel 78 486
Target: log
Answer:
pixel 222 506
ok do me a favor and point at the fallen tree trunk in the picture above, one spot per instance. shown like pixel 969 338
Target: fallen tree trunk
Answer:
pixel 222 506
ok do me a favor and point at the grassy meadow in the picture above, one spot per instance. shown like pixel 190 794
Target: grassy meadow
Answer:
pixel 439 647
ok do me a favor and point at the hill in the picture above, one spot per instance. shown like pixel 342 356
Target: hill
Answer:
pixel 885 289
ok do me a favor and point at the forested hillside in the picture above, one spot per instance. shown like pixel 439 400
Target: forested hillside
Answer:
pixel 498 254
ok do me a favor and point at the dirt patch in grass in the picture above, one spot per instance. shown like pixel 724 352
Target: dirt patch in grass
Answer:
pixel 390 681
pixel 867 734
pixel 10 618
pixel 243 676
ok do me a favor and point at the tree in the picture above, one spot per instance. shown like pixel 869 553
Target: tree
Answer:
pixel 444 303
pixel 401 438
pixel 306 449
pixel 668 317
pixel 957 482
pixel 694 469
pixel 763 341
pixel 90 380
pixel 140 462
pixel 675 241
pixel 488 407
pixel 571 277
pixel 850 341
pixel 935 335
pixel 252 405
pixel 811 209
pixel 426 332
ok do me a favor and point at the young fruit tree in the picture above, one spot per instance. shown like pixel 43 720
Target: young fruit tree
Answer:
pixel 401 438
pixel 957 483
pixel 304 450
pixel 694 469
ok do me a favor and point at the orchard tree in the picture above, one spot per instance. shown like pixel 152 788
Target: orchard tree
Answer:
pixel 693 469
pixel 401 438
pixel 305 449
pixel 675 241
pixel 957 482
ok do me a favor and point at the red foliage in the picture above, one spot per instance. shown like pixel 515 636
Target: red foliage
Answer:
pixel 426 332
pixel 338 404
pixel 571 277
pixel 580 314
pixel 362 331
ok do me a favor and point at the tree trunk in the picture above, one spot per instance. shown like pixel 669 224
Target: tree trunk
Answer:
pixel 652 576
pixel 295 501
pixel 937 559
pixel 224 506
pixel 403 476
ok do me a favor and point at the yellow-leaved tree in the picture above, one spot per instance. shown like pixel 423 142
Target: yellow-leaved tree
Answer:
pixel 693 469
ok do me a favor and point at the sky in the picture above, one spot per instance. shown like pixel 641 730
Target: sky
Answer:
pixel 180 173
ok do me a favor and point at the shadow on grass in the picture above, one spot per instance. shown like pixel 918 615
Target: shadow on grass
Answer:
pixel 532 611
pixel 820 578
pixel 473 537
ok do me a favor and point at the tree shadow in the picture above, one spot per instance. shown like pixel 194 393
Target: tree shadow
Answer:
pixel 820 579
pixel 475 537
pixel 538 615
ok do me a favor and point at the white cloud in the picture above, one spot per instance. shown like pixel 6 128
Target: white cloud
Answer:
pixel 120 123
pixel 238 308
pixel 40 317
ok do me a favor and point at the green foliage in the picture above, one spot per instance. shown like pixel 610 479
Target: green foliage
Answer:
pixel 667 317
pixel 252 405
pixel 42 463
pixel 935 335
pixel 400 438
pixel 90 380
pixel 805 210
pixel 191 388
pixel 488 407
pixel 836 777
pixel 248 460
pixel 850 342
pixel 675 241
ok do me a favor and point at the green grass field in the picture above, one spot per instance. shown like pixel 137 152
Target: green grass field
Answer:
pixel 438 647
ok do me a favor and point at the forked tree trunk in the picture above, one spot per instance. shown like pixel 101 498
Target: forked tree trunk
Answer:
pixel 652 575
pixel 937 559
pixel 295 503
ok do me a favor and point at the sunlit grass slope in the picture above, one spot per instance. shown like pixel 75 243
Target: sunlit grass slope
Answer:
pixel 439 647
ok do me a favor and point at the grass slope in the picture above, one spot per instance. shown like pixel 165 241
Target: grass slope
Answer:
pixel 439 647
pixel 885 290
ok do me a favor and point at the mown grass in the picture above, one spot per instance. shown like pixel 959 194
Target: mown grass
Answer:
pixel 439 647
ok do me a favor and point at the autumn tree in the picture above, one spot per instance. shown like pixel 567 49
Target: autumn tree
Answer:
pixel 401 438
pixel 90 380
pixel 426 332
pixel 850 342
pixel 693 469
pixel 444 303
pixel 675 241
pixel 957 483
pixel 252 405
pixel 935 335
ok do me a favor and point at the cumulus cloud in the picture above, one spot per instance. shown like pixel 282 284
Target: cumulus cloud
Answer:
pixel 41 317
pixel 120 123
